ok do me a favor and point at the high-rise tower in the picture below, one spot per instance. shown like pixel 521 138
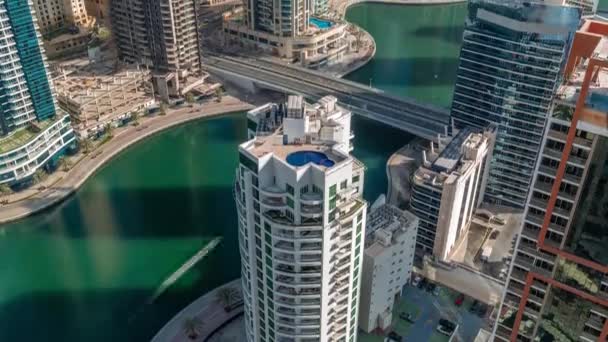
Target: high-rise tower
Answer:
pixel 301 223
pixel 510 66
pixel 161 34
pixel 557 289
pixel 32 131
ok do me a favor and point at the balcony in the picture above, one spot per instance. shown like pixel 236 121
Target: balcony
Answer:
pixel 273 191
pixel 274 203
pixel 311 198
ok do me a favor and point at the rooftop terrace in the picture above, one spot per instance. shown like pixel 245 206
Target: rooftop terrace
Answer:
pixel 23 135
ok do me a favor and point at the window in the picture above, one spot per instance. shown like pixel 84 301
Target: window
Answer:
pixel 332 191
pixel 343 185
pixel 355 179
pixel 290 202
pixel 289 189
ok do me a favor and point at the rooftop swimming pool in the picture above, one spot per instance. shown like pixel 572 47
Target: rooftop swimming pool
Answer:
pixel 302 158
pixel 320 23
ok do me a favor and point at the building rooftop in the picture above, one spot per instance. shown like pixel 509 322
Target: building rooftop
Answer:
pixel 448 161
pixel 385 224
pixel 592 34
pixel 23 135
pixel 300 133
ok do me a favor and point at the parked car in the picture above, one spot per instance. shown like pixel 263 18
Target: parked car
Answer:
pixel 416 281
pixel 459 300
pixel 393 336
pixel 407 317
pixel 446 327
pixel 473 307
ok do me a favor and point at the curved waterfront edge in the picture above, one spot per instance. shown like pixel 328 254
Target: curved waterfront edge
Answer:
pixel 91 163
pixel 206 307
pixel 343 7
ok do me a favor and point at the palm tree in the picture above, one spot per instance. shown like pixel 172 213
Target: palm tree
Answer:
pixel 86 145
pixel 5 190
pixel 64 164
pixel 190 98
pixel 192 327
pixel 226 296
pixel 39 176
pixel 110 130
pixel 162 109
pixel 219 93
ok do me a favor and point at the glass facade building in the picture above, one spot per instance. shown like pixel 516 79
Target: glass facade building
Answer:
pixel 32 133
pixel 510 66
pixel 557 289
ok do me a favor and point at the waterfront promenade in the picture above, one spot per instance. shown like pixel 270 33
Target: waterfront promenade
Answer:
pixel 59 185
pixel 207 309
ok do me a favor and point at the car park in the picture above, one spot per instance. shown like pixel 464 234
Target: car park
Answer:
pixel 416 281
pixel 393 336
pixel 446 327
pixel 407 317
pixel 459 300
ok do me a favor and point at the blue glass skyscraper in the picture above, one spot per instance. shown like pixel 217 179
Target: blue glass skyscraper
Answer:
pixel 31 131
pixel 510 66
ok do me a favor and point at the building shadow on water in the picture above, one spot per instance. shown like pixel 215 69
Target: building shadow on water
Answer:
pixel 139 213
pixel 439 32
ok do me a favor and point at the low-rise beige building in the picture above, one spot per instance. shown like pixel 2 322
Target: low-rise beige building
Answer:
pixel 99 94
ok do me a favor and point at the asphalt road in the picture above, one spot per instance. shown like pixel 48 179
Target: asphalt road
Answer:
pixel 419 119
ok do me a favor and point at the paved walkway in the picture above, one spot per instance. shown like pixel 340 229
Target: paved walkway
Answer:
pixel 207 309
pixel 61 184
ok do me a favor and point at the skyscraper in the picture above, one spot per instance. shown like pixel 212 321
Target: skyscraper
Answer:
pixel 448 187
pixel 161 34
pixel 557 289
pixel 301 223
pixel 510 66
pixel 32 129
pixel 588 7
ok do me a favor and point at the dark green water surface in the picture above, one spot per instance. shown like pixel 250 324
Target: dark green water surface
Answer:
pixel 84 270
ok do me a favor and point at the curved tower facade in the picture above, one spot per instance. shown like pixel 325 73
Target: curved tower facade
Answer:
pixel 301 223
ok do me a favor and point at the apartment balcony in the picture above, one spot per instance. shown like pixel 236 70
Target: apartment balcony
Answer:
pixel 538 220
pixel 285 246
pixel 315 211
pixel 561 137
pixel 311 246
pixel 551 172
pixel 557 155
pixel 311 198
pixel 273 191
pixel 310 258
pixel 284 257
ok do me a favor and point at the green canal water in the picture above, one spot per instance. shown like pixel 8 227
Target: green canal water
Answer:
pixel 84 270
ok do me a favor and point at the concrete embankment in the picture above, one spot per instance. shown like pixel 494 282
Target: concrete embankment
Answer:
pixel 87 166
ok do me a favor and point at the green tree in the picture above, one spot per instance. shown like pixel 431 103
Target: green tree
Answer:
pixel 64 164
pixel 219 93
pixel 192 327
pixel 5 190
pixel 190 98
pixel 110 130
pixel 86 145
pixel 39 176
pixel 135 118
pixel 226 296
pixel 163 109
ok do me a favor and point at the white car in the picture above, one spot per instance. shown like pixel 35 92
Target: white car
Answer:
pixel 416 281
